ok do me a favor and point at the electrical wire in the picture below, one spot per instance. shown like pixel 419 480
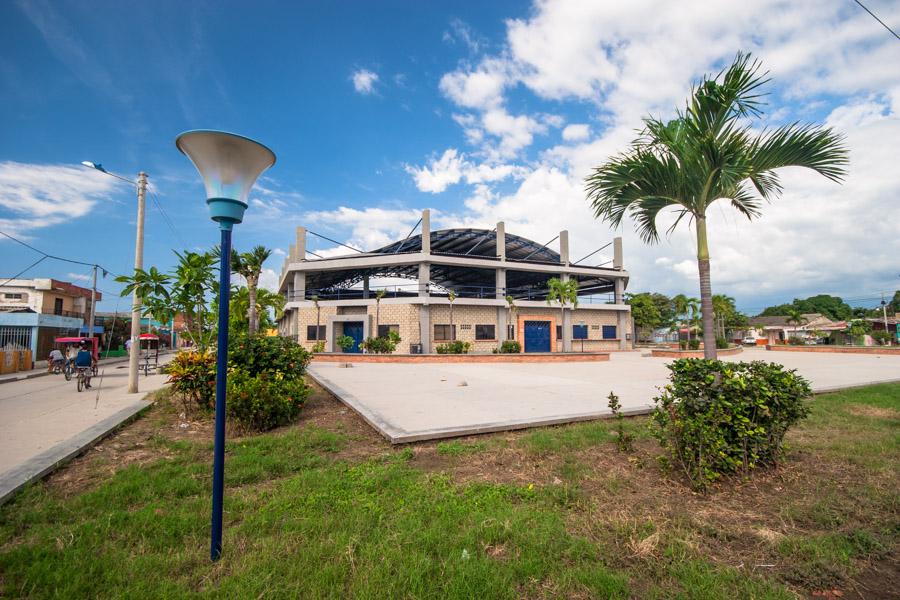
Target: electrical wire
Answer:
pixel 46 255
pixel 883 24
pixel 23 271
pixel 156 202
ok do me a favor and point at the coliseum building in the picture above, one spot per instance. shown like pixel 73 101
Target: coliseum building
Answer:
pixel 483 269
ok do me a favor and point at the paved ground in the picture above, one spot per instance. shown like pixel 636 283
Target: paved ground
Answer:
pixel 409 402
pixel 44 420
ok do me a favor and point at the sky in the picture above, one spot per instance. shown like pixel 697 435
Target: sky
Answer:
pixel 480 111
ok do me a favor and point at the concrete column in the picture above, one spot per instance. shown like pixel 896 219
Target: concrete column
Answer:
pixel 425 328
pixel 622 329
pixel 617 253
pixel 300 286
pixel 564 247
pixel 500 283
pixel 301 244
pixel 501 324
pixel 330 343
pixel 365 286
pixel 426 231
pixel 424 278
pixel 619 293
pixel 501 240
pixel 292 253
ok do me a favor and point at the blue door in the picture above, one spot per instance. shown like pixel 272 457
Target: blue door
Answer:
pixel 355 330
pixel 537 336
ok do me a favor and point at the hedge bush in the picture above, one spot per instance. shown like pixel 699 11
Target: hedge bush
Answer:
pixel 264 401
pixel 268 354
pixel 510 347
pixel 721 343
pixel 718 418
pixel 192 376
pixel 694 344
pixel 381 345
pixel 457 347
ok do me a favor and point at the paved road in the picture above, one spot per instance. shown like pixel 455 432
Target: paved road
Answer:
pixel 408 402
pixel 44 419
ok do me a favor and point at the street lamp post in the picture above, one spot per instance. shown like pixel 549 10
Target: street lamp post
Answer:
pixel 134 351
pixel 229 165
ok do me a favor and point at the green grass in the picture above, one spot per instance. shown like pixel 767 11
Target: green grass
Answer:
pixel 302 522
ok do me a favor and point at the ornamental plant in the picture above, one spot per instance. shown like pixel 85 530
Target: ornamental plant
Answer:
pixel 264 401
pixel 345 342
pixel 192 376
pixel 717 419
pixel 381 345
pixel 457 347
pixel 257 354
pixel 510 347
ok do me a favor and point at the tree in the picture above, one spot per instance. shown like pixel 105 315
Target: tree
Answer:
pixel 315 301
pixel 895 302
pixel 796 318
pixel 451 296
pixel 378 296
pixel 644 312
pixel 832 307
pixel 151 289
pixel 563 292
pixel 193 279
pixel 511 308
pixel 665 307
pixel 709 152
pixel 693 309
pixel 267 302
pixel 250 265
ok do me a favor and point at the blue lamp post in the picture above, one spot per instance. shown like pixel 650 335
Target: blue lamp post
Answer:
pixel 229 165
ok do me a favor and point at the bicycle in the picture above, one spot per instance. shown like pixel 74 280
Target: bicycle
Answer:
pixel 82 380
pixel 68 369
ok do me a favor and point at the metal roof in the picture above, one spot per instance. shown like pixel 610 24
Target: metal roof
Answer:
pixel 480 243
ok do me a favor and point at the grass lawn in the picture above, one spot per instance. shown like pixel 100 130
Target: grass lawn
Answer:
pixel 327 509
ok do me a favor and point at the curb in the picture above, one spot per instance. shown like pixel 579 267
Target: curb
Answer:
pixel 14 378
pixel 48 461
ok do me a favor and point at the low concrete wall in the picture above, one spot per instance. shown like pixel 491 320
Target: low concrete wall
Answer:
pixel 531 357
pixel 837 349
pixel 694 353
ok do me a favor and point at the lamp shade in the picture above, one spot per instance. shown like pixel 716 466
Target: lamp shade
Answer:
pixel 229 165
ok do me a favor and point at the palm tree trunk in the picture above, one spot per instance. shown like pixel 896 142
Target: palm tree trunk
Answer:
pixel 452 333
pixel 706 308
pixel 251 310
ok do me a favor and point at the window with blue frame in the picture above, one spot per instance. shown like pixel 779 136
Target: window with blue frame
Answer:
pixel 609 332
pixel 579 332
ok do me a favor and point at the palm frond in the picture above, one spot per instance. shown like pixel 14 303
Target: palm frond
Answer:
pixel 810 146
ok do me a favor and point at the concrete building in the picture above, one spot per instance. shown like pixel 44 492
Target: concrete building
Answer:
pixel 481 268
pixel 34 311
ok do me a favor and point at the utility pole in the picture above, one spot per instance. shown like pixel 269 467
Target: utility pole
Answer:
pixel 135 349
pixel 90 328
pixel 884 313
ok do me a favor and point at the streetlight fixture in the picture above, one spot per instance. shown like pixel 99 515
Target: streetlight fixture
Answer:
pixel 134 350
pixel 229 165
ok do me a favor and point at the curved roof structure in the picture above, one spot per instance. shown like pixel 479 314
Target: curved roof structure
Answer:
pixel 466 281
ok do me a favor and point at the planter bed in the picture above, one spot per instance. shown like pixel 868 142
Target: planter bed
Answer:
pixel 530 357
pixel 836 349
pixel 675 353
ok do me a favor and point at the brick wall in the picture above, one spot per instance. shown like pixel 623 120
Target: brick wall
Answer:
pixel 307 316
pixel 465 318
pixel 406 316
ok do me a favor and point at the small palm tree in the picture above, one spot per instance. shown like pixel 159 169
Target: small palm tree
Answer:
pixel 796 318
pixel 512 308
pixel 250 266
pixel 563 292
pixel 693 306
pixel 707 153
pixel 680 304
pixel 451 296
pixel 315 301
pixel 151 289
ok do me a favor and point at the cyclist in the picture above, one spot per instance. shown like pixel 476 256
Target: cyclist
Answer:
pixel 56 358
pixel 84 360
pixel 71 353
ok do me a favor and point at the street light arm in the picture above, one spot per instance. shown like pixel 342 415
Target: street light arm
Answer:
pixel 100 168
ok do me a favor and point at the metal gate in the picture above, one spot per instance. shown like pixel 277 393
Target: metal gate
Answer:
pixel 355 330
pixel 15 338
pixel 537 336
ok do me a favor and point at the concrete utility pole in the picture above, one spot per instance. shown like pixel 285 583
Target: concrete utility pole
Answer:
pixel 135 349
pixel 884 313
pixel 90 328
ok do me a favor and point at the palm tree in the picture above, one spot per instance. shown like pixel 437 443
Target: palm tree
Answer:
pixel 693 308
pixel 378 296
pixel 709 152
pixel 194 277
pixel 563 292
pixel 151 288
pixel 680 304
pixel 722 305
pixel 512 308
pixel 795 317
pixel 451 296
pixel 250 265
pixel 315 301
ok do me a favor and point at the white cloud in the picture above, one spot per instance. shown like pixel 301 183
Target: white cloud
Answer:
pixel 370 228
pixel 439 173
pixel 79 277
pixel 34 196
pixel 576 132
pixel 364 81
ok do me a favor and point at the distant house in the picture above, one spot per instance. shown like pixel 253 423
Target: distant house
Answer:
pixel 778 330
pixel 35 311
pixel 893 326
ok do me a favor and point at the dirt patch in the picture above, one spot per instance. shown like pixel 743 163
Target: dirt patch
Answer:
pixel 864 410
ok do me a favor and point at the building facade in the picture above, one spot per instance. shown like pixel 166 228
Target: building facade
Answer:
pixel 35 311
pixel 473 285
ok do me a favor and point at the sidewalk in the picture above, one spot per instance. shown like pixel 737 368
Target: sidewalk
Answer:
pixel 45 421
pixel 41 371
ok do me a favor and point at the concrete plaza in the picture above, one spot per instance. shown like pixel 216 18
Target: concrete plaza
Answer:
pixel 44 420
pixel 410 402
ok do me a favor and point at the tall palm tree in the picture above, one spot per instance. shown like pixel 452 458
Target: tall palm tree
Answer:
pixel 709 152
pixel 250 265
pixel 378 296
pixel 680 304
pixel 795 318
pixel 563 292
pixel 315 301
pixel 512 308
pixel 451 296
pixel 693 309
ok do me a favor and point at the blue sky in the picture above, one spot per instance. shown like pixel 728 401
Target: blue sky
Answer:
pixel 480 111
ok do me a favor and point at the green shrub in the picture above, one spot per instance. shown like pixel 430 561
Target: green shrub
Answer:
pixel 682 344
pixel 718 418
pixel 796 341
pixel 457 347
pixel 345 342
pixel 510 347
pixel 381 345
pixel 268 354
pixel 694 344
pixel 318 347
pixel 192 376
pixel 881 337
pixel 264 401
pixel 721 343
pixel 624 440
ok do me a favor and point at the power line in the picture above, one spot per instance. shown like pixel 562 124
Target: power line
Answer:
pixel 46 255
pixel 156 202
pixel 29 267
pixel 877 19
